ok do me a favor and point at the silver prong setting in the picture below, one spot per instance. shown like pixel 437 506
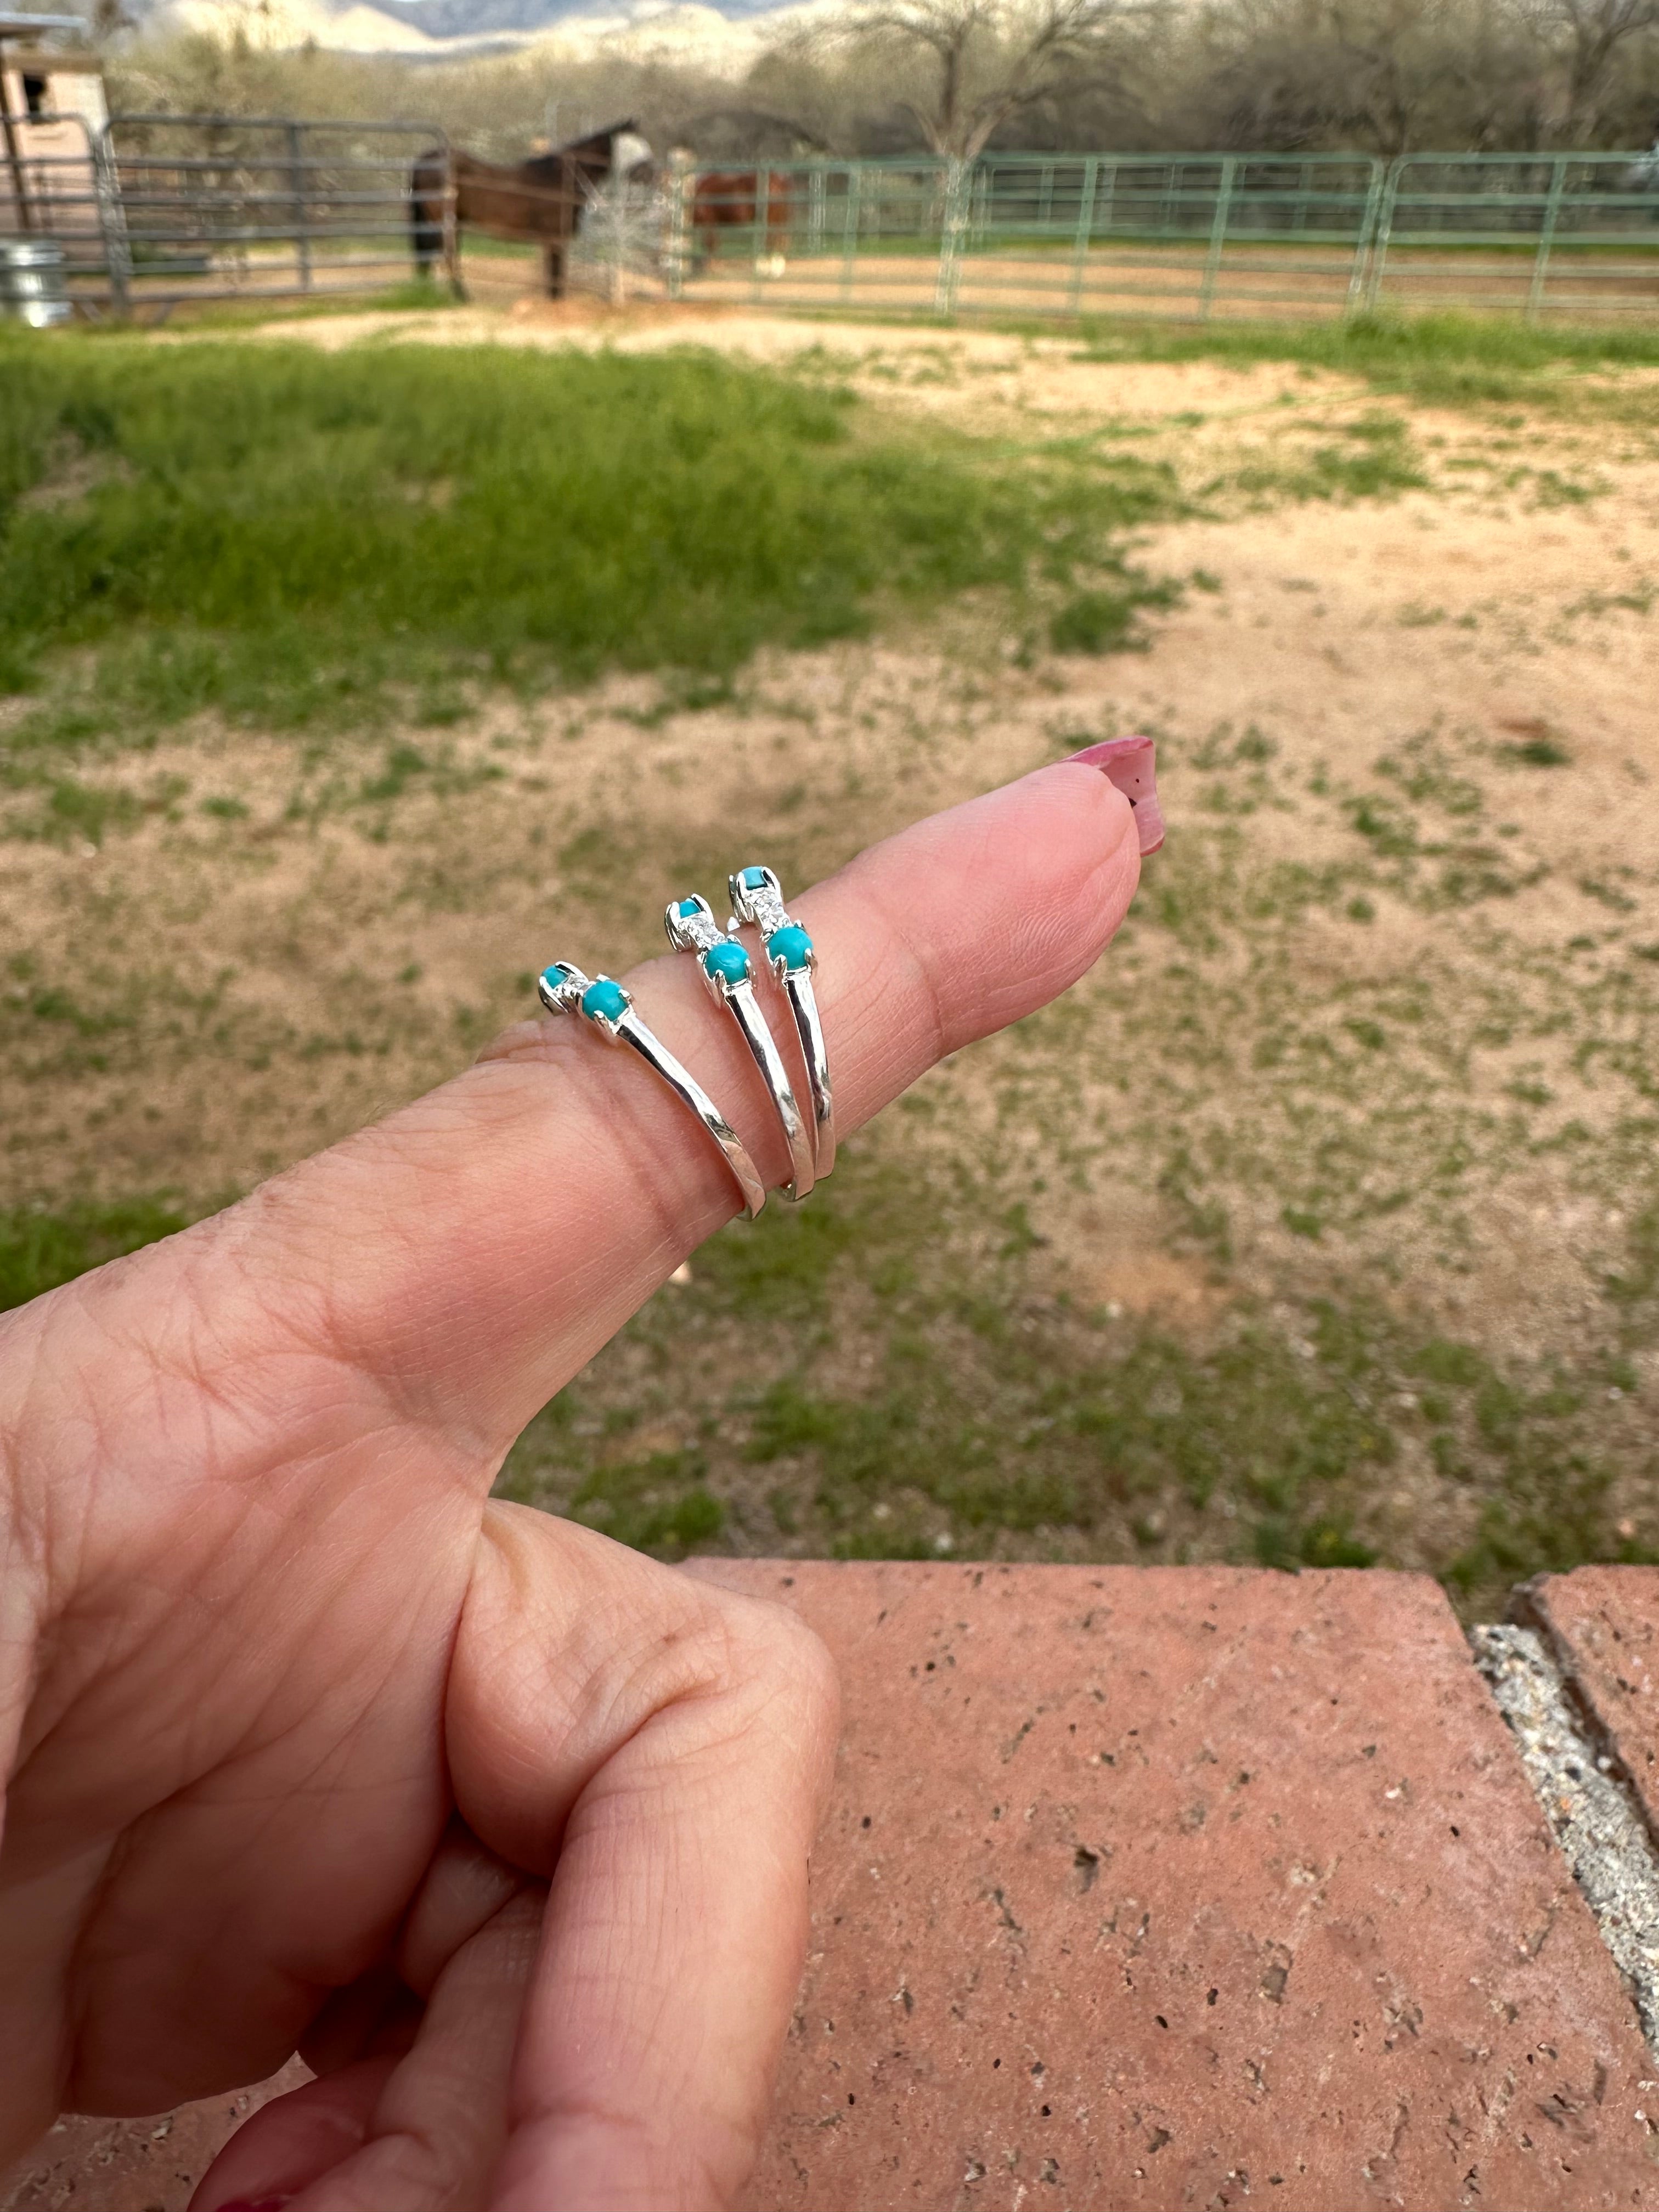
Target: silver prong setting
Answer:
pixel 757 899
pixel 563 996
pixel 789 952
pixel 563 989
pixel 691 932
pixel 727 969
pixel 608 1007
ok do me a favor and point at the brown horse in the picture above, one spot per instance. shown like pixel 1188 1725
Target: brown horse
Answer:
pixel 732 200
pixel 540 200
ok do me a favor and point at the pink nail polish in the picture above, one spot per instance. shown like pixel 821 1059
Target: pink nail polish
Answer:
pixel 1131 763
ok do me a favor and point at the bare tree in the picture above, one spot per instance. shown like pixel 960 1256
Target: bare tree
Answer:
pixel 1591 33
pixel 977 63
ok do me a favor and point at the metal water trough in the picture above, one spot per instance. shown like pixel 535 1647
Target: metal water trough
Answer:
pixel 34 285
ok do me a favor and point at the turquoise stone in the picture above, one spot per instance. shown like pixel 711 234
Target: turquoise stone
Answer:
pixel 792 945
pixel 687 909
pixel 754 879
pixel 553 976
pixel 728 961
pixel 605 998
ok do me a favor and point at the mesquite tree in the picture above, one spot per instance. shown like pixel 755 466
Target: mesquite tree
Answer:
pixel 969 65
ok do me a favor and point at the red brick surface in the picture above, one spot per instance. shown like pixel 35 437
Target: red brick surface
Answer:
pixel 1603 1624
pixel 1152 1888
pixel 1183 1887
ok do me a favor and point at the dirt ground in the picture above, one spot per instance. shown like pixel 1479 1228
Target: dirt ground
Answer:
pixel 1373 1065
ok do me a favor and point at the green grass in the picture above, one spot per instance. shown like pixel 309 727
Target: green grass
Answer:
pixel 41 1249
pixel 1378 461
pixel 1440 360
pixel 1270 1438
pixel 1100 622
pixel 281 534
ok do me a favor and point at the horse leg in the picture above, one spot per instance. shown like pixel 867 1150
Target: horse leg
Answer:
pixel 425 231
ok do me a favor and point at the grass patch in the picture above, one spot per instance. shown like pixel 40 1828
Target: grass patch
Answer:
pixel 1447 360
pixel 979 1411
pixel 39 1249
pixel 280 534
pixel 1544 751
pixel 1376 461
pixel 1102 621
pixel 658 1504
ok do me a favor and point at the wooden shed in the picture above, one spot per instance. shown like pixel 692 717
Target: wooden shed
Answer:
pixel 51 113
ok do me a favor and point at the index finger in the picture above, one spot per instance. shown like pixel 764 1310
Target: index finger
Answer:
pixel 482 1244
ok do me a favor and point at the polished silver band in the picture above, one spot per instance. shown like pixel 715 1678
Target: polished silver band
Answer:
pixel 758 901
pixel 609 1007
pixel 727 974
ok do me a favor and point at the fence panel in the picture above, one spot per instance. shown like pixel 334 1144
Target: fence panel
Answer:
pixel 161 209
pixel 1563 236
pixel 1185 237
pixel 264 207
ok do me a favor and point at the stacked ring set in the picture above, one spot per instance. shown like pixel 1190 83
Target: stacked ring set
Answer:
pixel 727 969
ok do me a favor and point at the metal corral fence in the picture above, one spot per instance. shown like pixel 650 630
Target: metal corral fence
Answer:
pixel 155 210
pixel 1181 238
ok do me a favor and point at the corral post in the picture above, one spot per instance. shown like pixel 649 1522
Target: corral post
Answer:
pixel 111 219
pixel 1111 195
pixel 681 172
pixel 1545 237
pixel 1086 226
pixel 1360 275
pixel 1384 231
pixel 815 209
pixel 849 237
pixel 949 236
pixel 762 208
pixel 14 157
pixel 453 228
pixel 296 179
pixel 1224 200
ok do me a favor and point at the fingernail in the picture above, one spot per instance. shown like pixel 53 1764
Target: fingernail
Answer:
pixel 1131 763
pixel 256 2204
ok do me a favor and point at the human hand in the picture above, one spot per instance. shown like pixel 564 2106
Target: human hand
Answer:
pixel 311 1744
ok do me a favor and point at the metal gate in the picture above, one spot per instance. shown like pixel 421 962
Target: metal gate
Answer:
pixel 158 210
pixel 1572 236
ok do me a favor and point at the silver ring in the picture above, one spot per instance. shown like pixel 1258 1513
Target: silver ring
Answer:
pixel 563 989
pixel 758 899
pixel 728 975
